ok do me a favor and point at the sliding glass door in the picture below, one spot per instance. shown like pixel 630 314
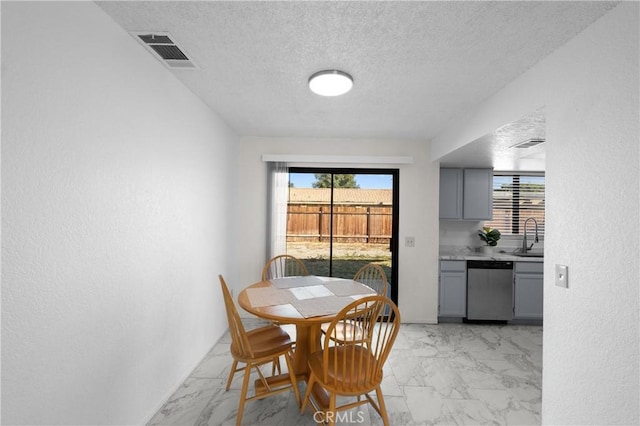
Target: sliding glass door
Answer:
pixel 341 219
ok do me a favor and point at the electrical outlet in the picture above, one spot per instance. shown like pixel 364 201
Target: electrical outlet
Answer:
pixel 409 241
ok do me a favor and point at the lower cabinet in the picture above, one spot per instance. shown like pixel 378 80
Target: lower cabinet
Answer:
pixel 453 289
pixel 528 290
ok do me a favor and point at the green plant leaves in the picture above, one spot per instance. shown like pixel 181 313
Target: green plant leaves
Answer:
pixel 489 236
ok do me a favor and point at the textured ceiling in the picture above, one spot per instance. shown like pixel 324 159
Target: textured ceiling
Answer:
pixel 415 64
pixel 496 149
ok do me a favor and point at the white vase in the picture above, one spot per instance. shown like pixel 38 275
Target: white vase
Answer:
pixel 486 249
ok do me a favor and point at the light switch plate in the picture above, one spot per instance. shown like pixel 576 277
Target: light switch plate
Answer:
pixel 409 242
pixel 562 276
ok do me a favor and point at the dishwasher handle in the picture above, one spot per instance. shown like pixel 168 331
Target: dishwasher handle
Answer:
pixel 489 264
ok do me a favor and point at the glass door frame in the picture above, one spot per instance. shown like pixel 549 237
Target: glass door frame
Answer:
pixel 395 222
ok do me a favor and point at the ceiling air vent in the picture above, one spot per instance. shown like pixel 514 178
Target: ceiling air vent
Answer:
pixel 162 46
pixel 528 143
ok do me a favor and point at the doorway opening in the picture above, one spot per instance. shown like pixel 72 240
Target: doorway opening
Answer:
pixel 340 219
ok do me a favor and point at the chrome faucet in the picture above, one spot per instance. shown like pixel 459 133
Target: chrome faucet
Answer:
pixel 524 240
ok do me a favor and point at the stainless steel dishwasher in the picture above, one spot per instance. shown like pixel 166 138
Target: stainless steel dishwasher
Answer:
pixel 489 290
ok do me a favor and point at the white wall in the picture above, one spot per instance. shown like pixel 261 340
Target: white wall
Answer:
pixel 117 190
pixel 418 266
pixel 590 89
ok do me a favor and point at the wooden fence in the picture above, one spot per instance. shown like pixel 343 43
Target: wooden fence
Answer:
pixel 351 223
pixel 371 224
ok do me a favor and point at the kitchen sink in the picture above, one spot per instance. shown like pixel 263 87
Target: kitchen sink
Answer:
pixel 536 254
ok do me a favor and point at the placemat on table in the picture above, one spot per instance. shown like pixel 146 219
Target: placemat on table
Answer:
pixel 320 306
pixel 268 296
pixel 292 282
pixel 348 288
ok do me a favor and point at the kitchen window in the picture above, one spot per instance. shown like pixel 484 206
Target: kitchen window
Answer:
pixel 517 197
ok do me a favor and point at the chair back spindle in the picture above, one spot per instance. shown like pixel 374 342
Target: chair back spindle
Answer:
pixel 372 275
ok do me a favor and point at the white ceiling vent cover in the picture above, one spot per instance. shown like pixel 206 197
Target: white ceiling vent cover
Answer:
pixel 164 48
pixel 528 143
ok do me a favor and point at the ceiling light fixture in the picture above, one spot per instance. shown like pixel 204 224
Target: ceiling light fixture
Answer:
pixel 330 83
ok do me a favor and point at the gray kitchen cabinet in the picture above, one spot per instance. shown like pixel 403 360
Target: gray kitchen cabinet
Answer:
pixel 453 289
pixel 477 200
pixel 450 193
pixel 466 194
pixel 528 290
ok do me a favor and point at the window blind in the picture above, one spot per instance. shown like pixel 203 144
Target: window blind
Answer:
pixel 517 197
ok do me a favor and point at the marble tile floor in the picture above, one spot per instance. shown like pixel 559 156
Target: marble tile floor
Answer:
pixel 445 374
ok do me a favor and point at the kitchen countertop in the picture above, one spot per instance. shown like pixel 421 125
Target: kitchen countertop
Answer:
pixel 488 256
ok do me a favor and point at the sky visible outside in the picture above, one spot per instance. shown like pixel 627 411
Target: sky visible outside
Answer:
pixel 365 181
pixel 304 180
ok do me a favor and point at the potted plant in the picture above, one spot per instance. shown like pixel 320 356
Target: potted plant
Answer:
pixel 490 237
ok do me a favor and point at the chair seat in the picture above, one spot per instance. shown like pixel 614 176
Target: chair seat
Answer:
pixel 345 331
pixel 355 379
pixel 265 342
pixel 291 329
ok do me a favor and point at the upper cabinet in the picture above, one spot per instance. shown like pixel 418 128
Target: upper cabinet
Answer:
pixel 477 194
pixel 466 194
pixel 450 193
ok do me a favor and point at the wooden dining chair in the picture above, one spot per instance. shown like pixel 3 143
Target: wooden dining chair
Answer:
pixel 347 367
pixel 253 349
pixel 282 266
pixel 373 276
